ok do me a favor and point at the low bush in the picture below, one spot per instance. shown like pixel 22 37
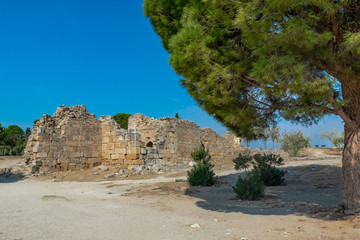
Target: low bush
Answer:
pixel 264 173
pixel 293 142
pixel 264 165
pixel 249 188
pixel 202 173
pixel 270 175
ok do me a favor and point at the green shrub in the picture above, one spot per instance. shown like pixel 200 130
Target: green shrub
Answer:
pixel 202 173
pixel 293 142
pixel 122 119
pixel 323 145
pixel 201 155
pixel 249 188
pixel 316 146
pixel 264 166
pixel 270 175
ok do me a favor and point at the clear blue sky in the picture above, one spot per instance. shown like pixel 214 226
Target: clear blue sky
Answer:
pixel 103 54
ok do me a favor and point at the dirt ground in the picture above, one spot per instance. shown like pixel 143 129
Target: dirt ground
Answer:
pixel 80 205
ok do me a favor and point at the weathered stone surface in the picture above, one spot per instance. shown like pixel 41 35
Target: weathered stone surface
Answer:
pixel 74 139
pixel 172 140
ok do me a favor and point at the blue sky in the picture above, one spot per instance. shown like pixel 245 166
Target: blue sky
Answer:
pixel 103 54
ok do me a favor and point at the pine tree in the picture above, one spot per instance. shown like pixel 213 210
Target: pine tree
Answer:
pixel 250 63
pixel 122 119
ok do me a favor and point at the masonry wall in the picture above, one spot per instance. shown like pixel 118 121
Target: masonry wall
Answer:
pixel 174 139
pixel 74 139
pixel 68 140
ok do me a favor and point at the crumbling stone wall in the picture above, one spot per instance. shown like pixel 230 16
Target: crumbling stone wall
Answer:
pixel 174 139
pixel 119 146
pixel 68 140
pixel 74 139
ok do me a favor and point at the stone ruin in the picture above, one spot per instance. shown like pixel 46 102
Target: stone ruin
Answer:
pixel 74 139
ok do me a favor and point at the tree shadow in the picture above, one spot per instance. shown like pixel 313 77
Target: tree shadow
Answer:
pixel 312 190
pixel 8 176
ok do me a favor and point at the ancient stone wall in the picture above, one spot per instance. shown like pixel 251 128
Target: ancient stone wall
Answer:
pixel 73 139
pixel 68 140
pixel 174 139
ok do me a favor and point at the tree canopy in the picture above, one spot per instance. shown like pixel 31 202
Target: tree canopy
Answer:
pixel 247 63
pixel 122 119
pixel 250 63
pixel 13 140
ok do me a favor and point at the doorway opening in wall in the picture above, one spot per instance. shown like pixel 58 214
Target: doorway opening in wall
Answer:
pixel 149 144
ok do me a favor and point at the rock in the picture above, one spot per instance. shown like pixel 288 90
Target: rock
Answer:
pixel 111 175
pixel 195 225
pixel 123 171
pixel 138 169
pixel 95 173
pixel 156 168
pixel 191 164
pixel 180 180
pixel 349 212
pixel 104 169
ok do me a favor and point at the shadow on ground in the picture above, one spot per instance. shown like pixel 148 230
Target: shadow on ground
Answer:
pixel 314 190
pixel 8 176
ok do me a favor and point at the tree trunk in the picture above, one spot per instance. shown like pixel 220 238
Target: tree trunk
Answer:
pixel 351 169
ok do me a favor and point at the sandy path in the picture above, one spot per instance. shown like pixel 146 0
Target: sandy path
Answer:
pixel 160 208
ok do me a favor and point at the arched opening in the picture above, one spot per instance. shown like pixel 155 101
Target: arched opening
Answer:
pixel 149 144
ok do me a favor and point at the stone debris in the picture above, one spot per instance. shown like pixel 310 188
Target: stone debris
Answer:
pixel 74 139
pixel 191 164
pixel 104 168
pixel 111 175
pixel 195 225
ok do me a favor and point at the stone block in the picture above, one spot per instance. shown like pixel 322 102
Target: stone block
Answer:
pixel 132 156
pixel 114 156
pixel 42 155
pixel 35 149
pixel 120 150
pixel 72 143
pixel 38 138
pixel 134 150
pixel 133 162
pixel 72 166
pixel 105 139
pixel 110 146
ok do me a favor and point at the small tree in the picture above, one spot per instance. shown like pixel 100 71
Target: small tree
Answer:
pixel 274 134
pixel 263 134
pixel 293 142
pixel 2 135
pixel 337 141
pixel 27 133
pixel 122 119
pixel 14 136
pixel 202 173
pixel 264 173
pixel 264 165
pixel 177 116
